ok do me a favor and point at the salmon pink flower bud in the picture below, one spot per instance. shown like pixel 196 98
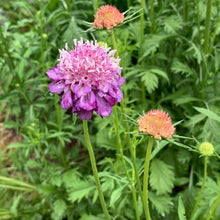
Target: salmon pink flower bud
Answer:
pixel 156 123
pixel 88 79
pixel 108 17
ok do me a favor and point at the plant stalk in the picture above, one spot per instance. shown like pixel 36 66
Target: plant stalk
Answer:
pixel 119 145
pixel 198 21
pixel 140 50
pixel 146 177
pixel 202 188
pixel 94 169
pixel 212 210
pixel 207 26
pixel 59 122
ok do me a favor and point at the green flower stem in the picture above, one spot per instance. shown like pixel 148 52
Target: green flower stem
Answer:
pixel 94 169
pixel 152 16
pixel 207 25
pixel 135 176
pixel 198 21
pixel 59 121
pixel 114 45
pixel 95 4
pixel 202 188
pixel 140 50
pixel 120 155
pixel 206 44
pixel 128 3
pixel 212 210
pixel 213 37
pixel 119 145
pixel 135 198
pixel 133 156
pixel 146 177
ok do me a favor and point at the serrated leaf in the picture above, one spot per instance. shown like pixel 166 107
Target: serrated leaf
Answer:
pixel 160 73
pixel 183 68
pixel 80 189
pixel 116 195
pixel 195 119
pixel 150 81
pixel 70 177
pixel 172 24
pixel 69 34
pixel 59 207
pixel 56 180
pixel 161 177
pixel 151 43
pixel 161 203
pixel 46 190
pixel 181 209
pixel 208 113
pixel 195 51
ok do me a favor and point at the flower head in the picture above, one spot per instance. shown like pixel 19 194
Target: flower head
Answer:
pixel 108 17
pixel 88 78
pixel 156 123
pixel 206 149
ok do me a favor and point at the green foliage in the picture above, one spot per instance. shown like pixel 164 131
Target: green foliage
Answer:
pixel 161 177
pixel 170 65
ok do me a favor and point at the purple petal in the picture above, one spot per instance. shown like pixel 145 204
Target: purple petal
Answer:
pixel 119 95
pixel 80 90
pixel 67 101
pixel 103 107
pixel 110 100
pixel 88 101
pixel 54 74
pixel 121 81
pixel 85 115
pixel 56 87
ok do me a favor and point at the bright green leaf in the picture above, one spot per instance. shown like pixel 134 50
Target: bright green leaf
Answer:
pixel 161 177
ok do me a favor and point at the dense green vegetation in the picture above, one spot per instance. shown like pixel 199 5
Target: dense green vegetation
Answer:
pixel 170 58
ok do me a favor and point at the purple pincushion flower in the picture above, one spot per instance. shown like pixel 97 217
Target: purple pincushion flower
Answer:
pixel 88 78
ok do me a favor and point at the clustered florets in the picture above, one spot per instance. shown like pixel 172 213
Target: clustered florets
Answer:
pixel 108 17
pixel 156 123
pixel 88 78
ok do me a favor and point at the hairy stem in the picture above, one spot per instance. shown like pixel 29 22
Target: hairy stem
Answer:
pixel 198 21
pixel 207 25
pixel 146 177
pixel 202 188
pixel 140 50
pixel 94 169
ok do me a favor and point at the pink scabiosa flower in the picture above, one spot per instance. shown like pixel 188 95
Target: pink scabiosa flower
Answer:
pixel 156 123
pixel 108 17
pixel 88 78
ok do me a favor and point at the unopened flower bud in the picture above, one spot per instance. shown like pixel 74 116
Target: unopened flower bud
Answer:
pixel 206 149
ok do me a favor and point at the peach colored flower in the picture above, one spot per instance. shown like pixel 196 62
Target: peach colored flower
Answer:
pixel 156 123
pixel 108 17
